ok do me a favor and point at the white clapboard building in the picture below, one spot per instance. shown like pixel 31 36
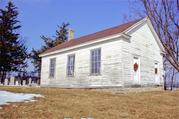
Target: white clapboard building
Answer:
pixel 126 55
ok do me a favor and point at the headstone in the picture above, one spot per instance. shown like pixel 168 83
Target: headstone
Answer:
pixel 87 118
pixel 34 84
pixel 17 83
pixel 24 82
pixel 38 81
pixel 30 81
pixel 12 81
pixel 6 81
pixel 90 118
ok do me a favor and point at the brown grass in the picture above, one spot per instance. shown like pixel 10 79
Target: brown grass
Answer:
pixel 76 103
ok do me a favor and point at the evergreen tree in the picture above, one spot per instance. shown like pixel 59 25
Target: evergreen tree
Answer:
pixel 36 61
pixel 61 36
pixel 13 53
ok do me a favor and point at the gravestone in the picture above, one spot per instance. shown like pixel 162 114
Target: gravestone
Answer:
pixel 86 118
pixel 34 84
pixel 24 82
pixel 6 82
pixel 38 81
pixel 30 81
pixel 90 118
pixel 11 81
pixel 16 83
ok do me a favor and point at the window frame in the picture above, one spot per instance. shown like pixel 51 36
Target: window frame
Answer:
pixel 156 68
pixel 67 67
pixel 50 68
pixel 98 70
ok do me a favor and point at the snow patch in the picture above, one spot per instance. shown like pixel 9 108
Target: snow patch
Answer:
pixel 8 97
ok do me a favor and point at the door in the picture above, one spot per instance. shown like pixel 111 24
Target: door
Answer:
pixel 156 71
pixel 136 70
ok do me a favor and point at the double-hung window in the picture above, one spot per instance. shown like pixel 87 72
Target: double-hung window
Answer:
pixel 52 67
pixel 71 65
pixel 96 61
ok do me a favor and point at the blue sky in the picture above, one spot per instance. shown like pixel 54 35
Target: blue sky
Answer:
pixel 41 17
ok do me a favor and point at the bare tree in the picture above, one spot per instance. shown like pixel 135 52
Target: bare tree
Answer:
pixel 170 75
pixel 164 15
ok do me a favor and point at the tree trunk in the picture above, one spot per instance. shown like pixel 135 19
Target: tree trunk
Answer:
pixel 0 77
pixel 171 85
pixel 3 75
pixel 39 79
pixel 165 83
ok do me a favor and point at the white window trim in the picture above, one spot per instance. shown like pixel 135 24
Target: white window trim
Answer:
pixel 52 77
pixel 73 75
pixel 95 74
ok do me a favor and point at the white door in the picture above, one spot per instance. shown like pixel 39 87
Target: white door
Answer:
pixel 156 71
pixel 136 70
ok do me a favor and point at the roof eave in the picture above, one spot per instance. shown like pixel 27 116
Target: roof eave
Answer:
pixel 86 44
pixel 123 34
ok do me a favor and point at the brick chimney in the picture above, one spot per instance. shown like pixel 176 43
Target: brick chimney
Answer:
pixel 71 34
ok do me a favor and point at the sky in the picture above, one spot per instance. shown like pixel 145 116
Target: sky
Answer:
pixel 41 17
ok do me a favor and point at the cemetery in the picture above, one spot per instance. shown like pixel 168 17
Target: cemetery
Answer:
pixel 16 81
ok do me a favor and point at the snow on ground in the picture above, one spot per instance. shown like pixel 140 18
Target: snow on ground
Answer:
pixel 7 97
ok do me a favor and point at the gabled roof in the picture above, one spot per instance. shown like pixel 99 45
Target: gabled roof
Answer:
pixel 92 37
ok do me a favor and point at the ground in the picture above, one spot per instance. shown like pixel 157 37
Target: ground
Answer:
pixel 76 103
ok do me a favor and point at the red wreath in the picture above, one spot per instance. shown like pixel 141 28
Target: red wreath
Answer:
pixel 136 66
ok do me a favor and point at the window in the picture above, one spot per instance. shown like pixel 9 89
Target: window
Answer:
pixel 95 61
pixel 52 67
pixel 71 65
pixel 156 68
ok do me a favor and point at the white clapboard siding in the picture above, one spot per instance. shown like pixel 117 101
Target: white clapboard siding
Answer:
pixel 111 67
pixel 116 62
pixel 143 45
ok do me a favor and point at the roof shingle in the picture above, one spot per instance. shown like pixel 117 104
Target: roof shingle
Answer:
pixel 91 37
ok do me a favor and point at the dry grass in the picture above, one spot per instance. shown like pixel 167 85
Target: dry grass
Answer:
pixel 76 103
